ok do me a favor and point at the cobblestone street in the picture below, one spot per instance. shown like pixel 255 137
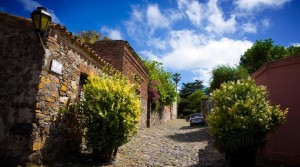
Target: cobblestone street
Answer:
pixel 172 144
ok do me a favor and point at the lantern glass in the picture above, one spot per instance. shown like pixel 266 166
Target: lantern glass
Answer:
pixel 36 21
pixel 44 22
pixel 40 18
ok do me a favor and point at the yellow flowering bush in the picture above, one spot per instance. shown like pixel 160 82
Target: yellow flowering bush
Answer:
pixel 243 116
pixel 111 110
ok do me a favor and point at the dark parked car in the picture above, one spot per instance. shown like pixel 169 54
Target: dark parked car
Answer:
pixel 196 118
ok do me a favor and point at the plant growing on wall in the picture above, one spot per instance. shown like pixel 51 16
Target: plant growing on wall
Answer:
pixel 161 89
pixel 241 119
pixel 90 37
pixel 111 110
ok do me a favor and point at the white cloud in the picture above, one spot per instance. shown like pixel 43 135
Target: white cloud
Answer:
pixel 149 55
pixel 55 19
pixel 174 15
pixel 196 36
pixel 137 14
pixel 295 44
pixel 258 4
pixel 202 74
pixel 217 23
pixel 158 43
pixel 114 34
pixel 155 18
pixel 193 10
pixel 249 28
pixel 265 23
pixel 136 26
pixel 30 5
pixel 189 52
pixel 194 52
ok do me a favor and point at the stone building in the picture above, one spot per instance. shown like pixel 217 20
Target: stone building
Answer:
pixel 37 82
pixel 122 57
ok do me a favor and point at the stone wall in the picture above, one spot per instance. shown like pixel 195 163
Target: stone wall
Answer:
pixel 32 127
pixel 21 61
pixel 121 56
pixel 161 116
pixel 57 91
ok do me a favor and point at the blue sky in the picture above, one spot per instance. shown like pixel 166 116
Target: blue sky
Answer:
pixel 188 36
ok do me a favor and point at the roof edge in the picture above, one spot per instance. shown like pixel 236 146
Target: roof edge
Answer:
pixel 275 64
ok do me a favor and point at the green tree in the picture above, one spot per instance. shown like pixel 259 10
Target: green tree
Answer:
pixel 293 50
pixel 160 82
pixel 190 97
pixel 190 87
pixel 90 37
pixel 176 79
pixel 225 73
pixel 261 52
pixel 194 100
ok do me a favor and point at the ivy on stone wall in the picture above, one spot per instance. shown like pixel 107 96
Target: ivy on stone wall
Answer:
pixel 161 88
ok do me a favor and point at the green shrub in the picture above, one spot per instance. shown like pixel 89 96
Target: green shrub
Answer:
pixel 242 116
pixel 111 110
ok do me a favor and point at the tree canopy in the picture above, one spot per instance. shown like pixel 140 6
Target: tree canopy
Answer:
pixel 176 78
pixel 190 87
pixel 225 73
pixel 264 51
pixel 191 95
pixel 194 101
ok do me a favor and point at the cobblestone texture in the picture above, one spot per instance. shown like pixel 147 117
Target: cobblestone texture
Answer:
pixel 174 143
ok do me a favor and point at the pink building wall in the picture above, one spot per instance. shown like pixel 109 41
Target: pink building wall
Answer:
pixel 282 78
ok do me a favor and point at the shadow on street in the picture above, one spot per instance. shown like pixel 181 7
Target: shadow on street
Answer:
pixel 199 135
pixel 193 127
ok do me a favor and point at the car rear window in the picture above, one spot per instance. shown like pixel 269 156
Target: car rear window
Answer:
pixel 196 115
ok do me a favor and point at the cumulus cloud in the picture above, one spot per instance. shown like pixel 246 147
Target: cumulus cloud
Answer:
pixel 114 34
pixel 265 23
pixel 193 10
pixel 195 36
pixel 155 18
pixel 249 28
pixel 295 44
pixel 202 74
pixel 30 5
pixel 258 4
pixel 217 23
pixel 199 54
pixel 136 26
pixel 189 54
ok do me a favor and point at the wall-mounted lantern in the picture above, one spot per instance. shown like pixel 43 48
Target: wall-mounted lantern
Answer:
pixel 40 19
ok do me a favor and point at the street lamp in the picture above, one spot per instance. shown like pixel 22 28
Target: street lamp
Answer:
pixel 40 19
